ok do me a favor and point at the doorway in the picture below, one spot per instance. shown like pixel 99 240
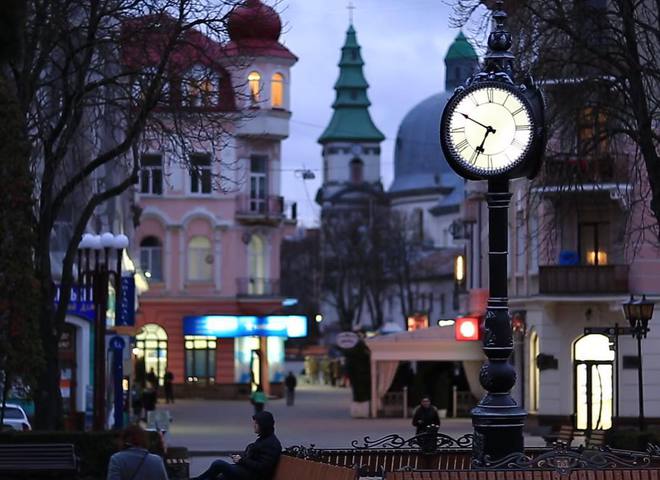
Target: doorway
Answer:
pixel 151 352
pixel 593 368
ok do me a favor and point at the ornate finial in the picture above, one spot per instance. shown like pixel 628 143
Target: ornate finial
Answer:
pixel 350 8
pixel 499 58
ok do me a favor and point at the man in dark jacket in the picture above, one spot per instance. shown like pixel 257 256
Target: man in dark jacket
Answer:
pixel 290 382
pixel 257 462
pixel 425 415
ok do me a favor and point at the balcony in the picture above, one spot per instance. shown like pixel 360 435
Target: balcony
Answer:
pixel 252 210
pixel 583 279
pixel 257 287
pixel 571 172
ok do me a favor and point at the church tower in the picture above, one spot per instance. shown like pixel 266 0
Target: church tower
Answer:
pixel 351 141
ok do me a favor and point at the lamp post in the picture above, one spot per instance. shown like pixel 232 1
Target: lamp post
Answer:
pixel 638 313
pixel 94 274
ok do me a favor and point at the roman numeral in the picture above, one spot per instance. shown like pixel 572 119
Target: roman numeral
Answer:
pixel 518 144
pixel 490 93
pixel 473 157
pixel 506 98
pixel 462 146
pixel 490 162
pixel 520 128
pixel 474 100
pixel 458 130
pixel 518 111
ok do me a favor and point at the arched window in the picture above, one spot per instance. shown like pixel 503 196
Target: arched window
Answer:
pixel 200 259
pixel 256 266
pixel 277 91
pixel 254 84
pixel 200 87
pixel 151 258
pixel 151 353
pixel 357 170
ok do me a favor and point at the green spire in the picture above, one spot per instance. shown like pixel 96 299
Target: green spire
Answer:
pixel 461 49
pixel 351 120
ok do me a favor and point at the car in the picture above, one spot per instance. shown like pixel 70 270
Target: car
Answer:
pixel 15 418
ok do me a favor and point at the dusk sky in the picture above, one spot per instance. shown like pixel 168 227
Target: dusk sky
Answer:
pixel 403 45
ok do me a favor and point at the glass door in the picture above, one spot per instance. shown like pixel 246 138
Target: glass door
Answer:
pixel 594 391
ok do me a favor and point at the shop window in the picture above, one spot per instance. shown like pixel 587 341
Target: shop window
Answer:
pixel 151 257
pixel 254 86
pixel 594 242
pixel 200 173
pixel 200 259
pixel 151 175
pixel 151 352
pixel 200 359
pixel 277 91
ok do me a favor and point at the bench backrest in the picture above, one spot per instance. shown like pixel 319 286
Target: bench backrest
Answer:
pixel 604 474
pixel 566 433
pixel 596 438
pixel 38 457
pixel 375 461
pixel 292 468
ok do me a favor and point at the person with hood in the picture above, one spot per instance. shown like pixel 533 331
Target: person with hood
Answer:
pixel 257 462
pixel 425 416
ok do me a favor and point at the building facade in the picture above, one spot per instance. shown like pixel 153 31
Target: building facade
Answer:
pixel 210 235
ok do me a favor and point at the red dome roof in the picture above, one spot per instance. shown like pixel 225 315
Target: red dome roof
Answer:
pixel 253 20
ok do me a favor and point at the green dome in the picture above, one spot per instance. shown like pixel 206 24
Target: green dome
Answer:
pixel 461 49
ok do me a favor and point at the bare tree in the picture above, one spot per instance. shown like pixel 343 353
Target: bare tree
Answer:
pixel 598 63
pixel 98 83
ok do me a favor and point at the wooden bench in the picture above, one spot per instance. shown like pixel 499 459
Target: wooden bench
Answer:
pixel 582 474
pixel 292 468
pixel 563 437
pixel 177 463
pixel 26 459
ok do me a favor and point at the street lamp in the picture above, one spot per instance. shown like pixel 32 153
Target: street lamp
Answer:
pixel 94 275
pixel 638 313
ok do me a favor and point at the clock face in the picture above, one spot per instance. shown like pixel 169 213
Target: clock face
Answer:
pixel 488 129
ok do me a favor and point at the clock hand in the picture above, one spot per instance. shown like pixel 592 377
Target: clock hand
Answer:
pixel 480 148
pixel 487 127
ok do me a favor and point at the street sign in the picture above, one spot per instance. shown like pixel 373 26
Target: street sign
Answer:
pixel 610 331
pixel 347 340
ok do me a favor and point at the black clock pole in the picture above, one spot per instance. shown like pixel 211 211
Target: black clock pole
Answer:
pixel 497 419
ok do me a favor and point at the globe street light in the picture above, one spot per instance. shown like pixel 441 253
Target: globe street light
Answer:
pixel 94 275
pixel 638 313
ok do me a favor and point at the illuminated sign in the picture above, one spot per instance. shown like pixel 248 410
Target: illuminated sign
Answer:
pixel 466 329
pixel 230 326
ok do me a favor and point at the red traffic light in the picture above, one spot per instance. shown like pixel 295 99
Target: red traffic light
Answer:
pixel 466 329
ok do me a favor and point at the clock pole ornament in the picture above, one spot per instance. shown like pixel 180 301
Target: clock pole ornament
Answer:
pixel 493 129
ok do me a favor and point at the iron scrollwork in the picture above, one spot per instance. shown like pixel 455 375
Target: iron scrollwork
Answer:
pixel 300 451
pixel 428 441
pixel 563 460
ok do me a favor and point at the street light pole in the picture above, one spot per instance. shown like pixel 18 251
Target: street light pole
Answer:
pixel 94 278
pixel 640 382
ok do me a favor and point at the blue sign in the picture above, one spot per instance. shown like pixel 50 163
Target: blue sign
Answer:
pixel 230 326
pixel 125 316
pixel 81 303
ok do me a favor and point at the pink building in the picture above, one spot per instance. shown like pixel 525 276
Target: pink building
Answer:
pixel 209 252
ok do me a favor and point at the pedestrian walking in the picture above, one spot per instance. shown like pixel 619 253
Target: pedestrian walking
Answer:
pixel 148 400
pixel 290 383
pixel 134 462
pixel 169 388
pixel 152 379
pixel 136 402
pixel 425 415
pixel 258 399
pixel 258 461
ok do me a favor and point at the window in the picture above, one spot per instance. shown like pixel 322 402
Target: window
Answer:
pixel 200 176
pixel 592 133
pixel 151 351
pixel 521 249
pixel 594 242
pixel 357 170
pixel 258 183
pixel 200 87
pixel 151 175
pixel 151 255
pixel 200 259
pixel 256 266
pixel 254 85
pixel 534 244
pixel 277 91
pixel 200 358
pixel 418 224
